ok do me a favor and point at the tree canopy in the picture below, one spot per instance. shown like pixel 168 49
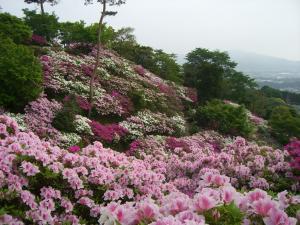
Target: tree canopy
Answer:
pixel 213 74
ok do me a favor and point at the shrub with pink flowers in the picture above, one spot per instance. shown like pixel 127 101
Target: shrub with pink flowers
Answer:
pixel 184 160
pixel 38 40
pixel 39 116
pixel 46 184
pixel 140 70
pixel 294 150
pixel 109 132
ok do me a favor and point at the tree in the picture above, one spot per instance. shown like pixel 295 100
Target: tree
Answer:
pixel 206 70
pixel 107 36
pixel 285 124
pixel 41 3
pixel 45 25
pixel 157 61
pixel 237 86
pixel 104 13
pixel 125 34
pixel 14 28
pixel 72 32
pixel 166 66
pixel 21 75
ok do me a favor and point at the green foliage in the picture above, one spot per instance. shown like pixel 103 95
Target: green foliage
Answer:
pixel 285 124
pixel 258 103
pixel 280 183
pixel 157 61
pixel 271 92
pixel 225 118
pixel 213 74
pixel 78 32
pixel 205 70
pixel 229 215
pixel 107 34
pixel 45 25
pixel 64 119
pixel 14 28
pixel 20 77
pixel 138 99
pixel 166 66
pixel 125 34
pixel 292 210
pixel 237 86
pixel 289 97
pixel 73 32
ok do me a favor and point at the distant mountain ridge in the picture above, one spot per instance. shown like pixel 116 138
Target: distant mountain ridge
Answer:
pixel 259 65
pixel 254 63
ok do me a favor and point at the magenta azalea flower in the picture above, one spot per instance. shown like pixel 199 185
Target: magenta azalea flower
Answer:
pixel 74 149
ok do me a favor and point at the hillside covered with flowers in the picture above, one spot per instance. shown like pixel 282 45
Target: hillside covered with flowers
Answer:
pixel 133 161
pixel 110 132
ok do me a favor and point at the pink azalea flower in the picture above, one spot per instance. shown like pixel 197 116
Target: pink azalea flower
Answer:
pixel 203 203
pixel 228 194
pixel 264 206
pixel 278 217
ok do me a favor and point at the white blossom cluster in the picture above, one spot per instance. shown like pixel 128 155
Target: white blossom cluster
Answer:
pixel 19 118
pixel 82 126
pixel 69 139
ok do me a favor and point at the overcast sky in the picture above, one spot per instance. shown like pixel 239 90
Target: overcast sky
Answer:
pixel 270 27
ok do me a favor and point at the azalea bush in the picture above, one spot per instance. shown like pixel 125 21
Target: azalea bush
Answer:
pixel 47 185
pixel 294 150
pixel 184 160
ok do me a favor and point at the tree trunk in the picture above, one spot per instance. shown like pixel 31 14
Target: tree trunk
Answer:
pixel 42 7
pixel 97 56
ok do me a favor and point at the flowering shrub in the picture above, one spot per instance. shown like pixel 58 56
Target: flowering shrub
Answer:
pixel 255 207
pixel 109 132
pixel 124 102
pixel 161 180
pixel 66 74
pixel 184 160
pixel 294 150
pixel 79 48
pixel 38 40
pixel 147 122
pixel 140 70
pixel 39 115
pixel 82 125
pixel 192 94
pixel 19 118
pixel 74 148
pixel 49 185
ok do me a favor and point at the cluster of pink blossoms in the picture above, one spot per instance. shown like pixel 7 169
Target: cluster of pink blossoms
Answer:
pixel 185 160
pixel 178 208
pixel 92 176
pixel 109 132
pixel 294 150
pixel 39 115
pixel 97 178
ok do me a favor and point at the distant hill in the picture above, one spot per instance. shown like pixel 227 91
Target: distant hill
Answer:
pixel 275 72
pixel 262 65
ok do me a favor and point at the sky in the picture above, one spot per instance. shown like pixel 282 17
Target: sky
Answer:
pixel 269 27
